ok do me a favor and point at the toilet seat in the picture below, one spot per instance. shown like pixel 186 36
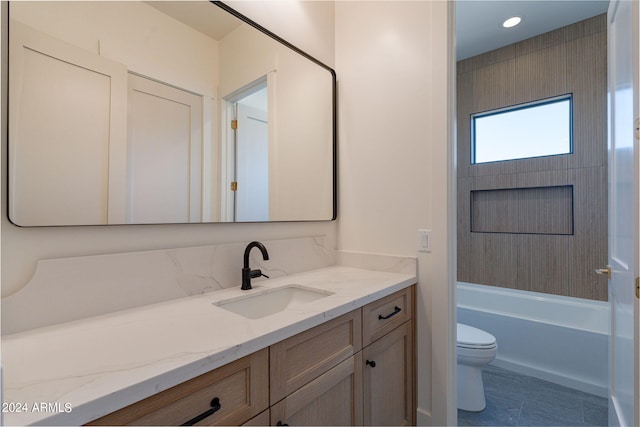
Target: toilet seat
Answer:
pixel 474 338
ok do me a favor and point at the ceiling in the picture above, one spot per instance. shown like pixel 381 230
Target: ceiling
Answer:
pixel 479 22
pixel 200 15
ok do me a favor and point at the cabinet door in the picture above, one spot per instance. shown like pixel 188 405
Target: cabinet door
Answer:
pixel 388 379
pixel 332 399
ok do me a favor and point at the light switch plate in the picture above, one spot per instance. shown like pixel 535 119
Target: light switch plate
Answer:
pixel 424 240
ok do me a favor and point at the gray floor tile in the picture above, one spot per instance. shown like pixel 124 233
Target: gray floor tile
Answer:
pixel 518 400
pixel 500 411
pixel 596 414
pixel 540 417
pixel 553 404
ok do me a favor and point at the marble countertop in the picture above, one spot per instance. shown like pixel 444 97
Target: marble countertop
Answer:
pixel 72 373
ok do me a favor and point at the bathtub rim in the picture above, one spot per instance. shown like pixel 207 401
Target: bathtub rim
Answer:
pixel 594 305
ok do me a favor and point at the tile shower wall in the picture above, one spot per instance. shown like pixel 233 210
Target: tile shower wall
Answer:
pixel 571 59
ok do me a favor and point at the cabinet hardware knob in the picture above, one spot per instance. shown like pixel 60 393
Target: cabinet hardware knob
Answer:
pixel 215 406
pixel 396 310
pixel 280 423
pixel 371 363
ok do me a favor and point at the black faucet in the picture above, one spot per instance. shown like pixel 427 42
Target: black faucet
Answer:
pixel 247 273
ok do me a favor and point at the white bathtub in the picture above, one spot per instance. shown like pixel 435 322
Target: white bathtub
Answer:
pixel 559 339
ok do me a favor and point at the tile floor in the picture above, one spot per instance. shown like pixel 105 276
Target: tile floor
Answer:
pixel 518 400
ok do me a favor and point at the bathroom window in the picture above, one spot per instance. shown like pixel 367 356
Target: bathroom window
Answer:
pixel 536 129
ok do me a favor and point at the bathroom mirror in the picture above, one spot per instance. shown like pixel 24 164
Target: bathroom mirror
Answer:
pixel 163 112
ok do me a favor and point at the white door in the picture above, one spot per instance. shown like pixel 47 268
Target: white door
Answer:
pixel 623 212
pixel 66 132
pixel 252 163
pixel 164 159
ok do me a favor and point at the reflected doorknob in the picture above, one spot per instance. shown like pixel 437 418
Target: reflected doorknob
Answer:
pixel 604 271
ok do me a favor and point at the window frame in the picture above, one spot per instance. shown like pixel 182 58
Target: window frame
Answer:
pixel 518 107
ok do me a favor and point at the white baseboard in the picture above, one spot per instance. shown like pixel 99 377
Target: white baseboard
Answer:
pixel 557 378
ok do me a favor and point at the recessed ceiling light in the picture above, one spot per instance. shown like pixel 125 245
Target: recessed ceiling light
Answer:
pixel 511 22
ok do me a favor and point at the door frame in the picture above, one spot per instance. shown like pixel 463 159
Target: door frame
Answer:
pixel 623 270
pixel 444 358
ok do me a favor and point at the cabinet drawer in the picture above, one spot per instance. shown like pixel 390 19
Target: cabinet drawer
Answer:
pixel 303 357
pixel 384 315
pixel 241 388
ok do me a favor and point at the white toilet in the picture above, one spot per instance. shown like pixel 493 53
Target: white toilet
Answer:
pixel 475 349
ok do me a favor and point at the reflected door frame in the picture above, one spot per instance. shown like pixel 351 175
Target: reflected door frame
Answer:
pixel 228 146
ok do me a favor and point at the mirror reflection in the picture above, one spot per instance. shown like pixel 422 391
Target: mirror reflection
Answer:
pixel 163 112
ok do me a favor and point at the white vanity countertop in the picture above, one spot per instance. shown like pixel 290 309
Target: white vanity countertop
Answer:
pixel 95 366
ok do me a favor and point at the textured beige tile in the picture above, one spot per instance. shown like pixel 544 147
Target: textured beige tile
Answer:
pixel 590 242
pixel 542 41
pixel 597 24
pixel 587 80
pixel 494 56
pixel 541 74
pixel 494 86
pixel 464 108
pixel 542 264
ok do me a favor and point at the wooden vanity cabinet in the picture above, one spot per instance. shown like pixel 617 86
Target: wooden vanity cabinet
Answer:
pixel 241 387
pixel 352 370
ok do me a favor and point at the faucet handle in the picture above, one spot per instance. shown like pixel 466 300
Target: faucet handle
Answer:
pixel 257 273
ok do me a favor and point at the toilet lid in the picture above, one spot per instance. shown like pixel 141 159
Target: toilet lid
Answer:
pixel 471 337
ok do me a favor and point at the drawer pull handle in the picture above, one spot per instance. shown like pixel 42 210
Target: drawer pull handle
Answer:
pixel 280 423
pixel 371 363
pixel 396 310
pixel 215 406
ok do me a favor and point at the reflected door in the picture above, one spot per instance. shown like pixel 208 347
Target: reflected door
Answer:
pixel 164 154
pixel 66 132
pixel 252 160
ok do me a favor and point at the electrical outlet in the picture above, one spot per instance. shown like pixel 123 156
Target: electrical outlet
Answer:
pixel 424 240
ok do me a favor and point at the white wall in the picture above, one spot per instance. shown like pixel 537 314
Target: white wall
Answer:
pixel 21 247
pixel 394 147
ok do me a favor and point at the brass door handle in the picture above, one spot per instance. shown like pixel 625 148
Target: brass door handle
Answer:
pixel 604 271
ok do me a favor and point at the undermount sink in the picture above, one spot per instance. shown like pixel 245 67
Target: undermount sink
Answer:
pixel 271 301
